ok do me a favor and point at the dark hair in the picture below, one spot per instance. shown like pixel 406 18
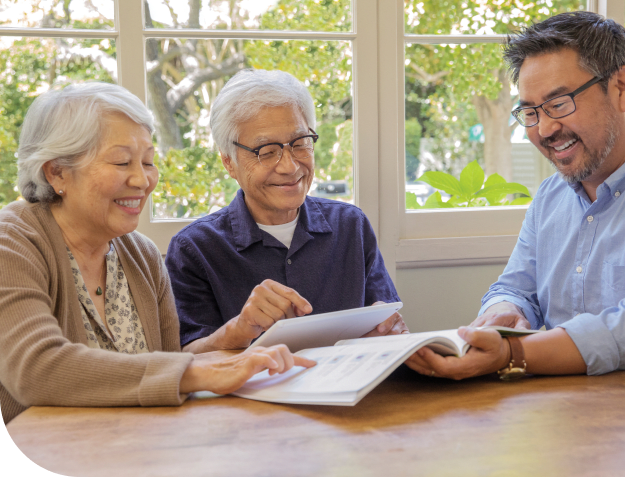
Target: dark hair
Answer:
pixel 600 43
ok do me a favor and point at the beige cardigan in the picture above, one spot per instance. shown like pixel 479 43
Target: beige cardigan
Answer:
pixel 44 358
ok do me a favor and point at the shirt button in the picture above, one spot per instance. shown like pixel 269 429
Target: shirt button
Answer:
pixel 579 269
pixel 289 261
pixel 617 193
pixel 589 218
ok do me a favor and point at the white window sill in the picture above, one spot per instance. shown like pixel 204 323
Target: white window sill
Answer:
pixel 454 251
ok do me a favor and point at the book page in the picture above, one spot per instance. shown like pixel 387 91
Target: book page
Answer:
pixel 352 366
pixel 339 369
pixel 445 342
pixel 505 331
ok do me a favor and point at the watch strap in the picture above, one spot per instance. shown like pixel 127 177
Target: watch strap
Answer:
pixel 517 366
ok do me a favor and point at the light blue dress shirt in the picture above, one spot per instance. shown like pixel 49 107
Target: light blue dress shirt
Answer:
pixel 568 268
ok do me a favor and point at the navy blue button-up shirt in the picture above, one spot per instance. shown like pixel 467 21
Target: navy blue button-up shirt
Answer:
pixel 215 263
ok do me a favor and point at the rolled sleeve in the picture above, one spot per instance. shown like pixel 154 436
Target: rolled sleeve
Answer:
pixel 600 339
pixel 518 283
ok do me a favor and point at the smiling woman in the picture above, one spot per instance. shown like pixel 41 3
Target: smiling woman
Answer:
pixel 87 307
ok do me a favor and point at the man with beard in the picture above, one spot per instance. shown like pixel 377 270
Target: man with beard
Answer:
pixel 567 271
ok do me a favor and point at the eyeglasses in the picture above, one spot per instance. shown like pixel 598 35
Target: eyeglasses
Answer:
pixel 555 108
pixel 270 154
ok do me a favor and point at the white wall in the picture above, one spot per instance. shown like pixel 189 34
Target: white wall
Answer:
pixel 445 297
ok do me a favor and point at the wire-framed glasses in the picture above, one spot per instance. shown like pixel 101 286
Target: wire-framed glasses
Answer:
pixel 270 154
pixel 555 108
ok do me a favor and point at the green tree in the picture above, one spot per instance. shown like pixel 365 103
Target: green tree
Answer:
pixel 470 80
pixel 413 148
pixel 30 66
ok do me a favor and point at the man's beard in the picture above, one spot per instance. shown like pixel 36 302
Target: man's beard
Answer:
pixel 593 160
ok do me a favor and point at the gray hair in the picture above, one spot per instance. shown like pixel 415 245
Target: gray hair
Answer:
pixel 249 91
pixel 66 126
pixel 599 42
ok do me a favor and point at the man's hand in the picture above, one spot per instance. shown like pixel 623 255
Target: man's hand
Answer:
pixel 224 376
pixel 502 314
pixel 269 302
pixel 489 352
pixel 393 325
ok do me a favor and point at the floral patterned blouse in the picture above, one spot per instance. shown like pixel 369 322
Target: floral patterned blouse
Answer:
pixel 126 335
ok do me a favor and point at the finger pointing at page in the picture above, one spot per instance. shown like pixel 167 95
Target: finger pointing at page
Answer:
pixel 269 302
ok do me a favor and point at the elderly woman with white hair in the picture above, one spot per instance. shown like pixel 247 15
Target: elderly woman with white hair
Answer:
pixel 87 313
pixel 274 252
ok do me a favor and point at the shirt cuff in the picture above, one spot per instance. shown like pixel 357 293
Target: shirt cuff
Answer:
pixel 160 385
pixel 526 308
pixel 595 343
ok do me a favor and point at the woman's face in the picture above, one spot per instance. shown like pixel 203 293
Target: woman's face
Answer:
pixel 106 196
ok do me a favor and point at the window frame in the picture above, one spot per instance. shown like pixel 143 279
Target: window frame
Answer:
pixel 437 237
pixel 407 239
pixel 131 52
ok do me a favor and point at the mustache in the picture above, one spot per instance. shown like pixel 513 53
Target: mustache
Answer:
pixel 548 141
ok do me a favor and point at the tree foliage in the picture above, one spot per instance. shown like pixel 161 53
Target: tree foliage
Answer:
pixel 466 83
pixel 448 87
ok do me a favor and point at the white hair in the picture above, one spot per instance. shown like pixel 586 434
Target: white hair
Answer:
pixel 66 126
pixel 249 91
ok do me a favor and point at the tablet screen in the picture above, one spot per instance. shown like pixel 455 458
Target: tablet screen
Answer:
pixel 315 331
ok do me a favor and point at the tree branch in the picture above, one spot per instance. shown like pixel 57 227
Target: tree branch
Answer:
pixel 176 96
pixel 154 66
pixel 106 62
pixel 427 77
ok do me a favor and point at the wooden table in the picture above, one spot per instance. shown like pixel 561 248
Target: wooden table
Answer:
pixel 410 425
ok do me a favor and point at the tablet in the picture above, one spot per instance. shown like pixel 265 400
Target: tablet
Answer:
pixel 315 331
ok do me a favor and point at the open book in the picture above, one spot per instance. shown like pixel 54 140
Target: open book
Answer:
pixel 349 370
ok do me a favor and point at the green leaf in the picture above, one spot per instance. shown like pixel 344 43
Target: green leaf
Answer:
pixel 457 201
pixel 494 179
pixel 411 201
pixel 521 201
pixel 505 189
pixel 471 178
pixel 435 201
pixel 442 181
pixel 495 198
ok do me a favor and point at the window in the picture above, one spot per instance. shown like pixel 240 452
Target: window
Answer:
pixel 45 45
pixel 392 100
pixel 455 103
pixel 185 74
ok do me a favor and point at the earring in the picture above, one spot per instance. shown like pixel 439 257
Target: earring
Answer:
pixel 61 192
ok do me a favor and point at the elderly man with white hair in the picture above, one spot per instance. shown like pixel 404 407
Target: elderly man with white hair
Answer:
pixel 274 252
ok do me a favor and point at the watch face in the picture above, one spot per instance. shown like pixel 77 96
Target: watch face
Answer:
pixel 512 373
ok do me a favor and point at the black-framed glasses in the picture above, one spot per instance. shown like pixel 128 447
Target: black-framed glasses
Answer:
pixel 555 108
pixel 269 155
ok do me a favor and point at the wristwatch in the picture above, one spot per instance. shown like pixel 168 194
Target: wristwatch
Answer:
pixel 517 366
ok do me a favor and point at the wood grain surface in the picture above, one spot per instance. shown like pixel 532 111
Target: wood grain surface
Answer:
pixel 410 425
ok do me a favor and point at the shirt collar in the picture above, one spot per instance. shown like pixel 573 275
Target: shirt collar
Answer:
pixel 246 232
pixel 615 182
pixel 244 228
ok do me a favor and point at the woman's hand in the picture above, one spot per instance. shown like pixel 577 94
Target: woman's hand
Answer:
pixel 488 353
pixel 228 375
